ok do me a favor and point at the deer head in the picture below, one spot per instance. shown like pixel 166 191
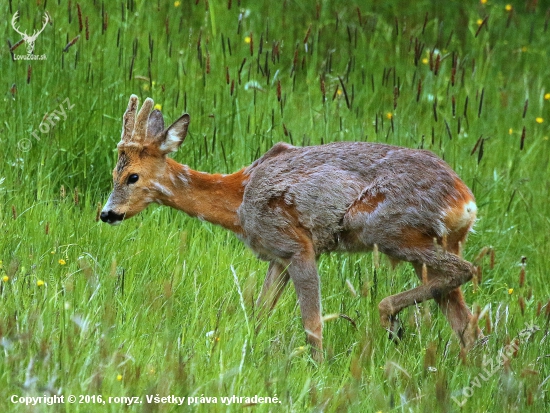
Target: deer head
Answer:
pixel 29 39
pixel 142 160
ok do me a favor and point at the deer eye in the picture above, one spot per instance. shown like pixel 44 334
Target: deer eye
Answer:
pixel 132 179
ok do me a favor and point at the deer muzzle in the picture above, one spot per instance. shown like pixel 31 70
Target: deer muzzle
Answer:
pixel 111 217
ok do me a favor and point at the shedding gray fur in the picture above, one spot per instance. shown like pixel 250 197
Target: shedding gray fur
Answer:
pixel 322 182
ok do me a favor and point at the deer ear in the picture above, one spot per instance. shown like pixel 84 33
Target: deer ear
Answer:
pixel 173 137
pixel 155 124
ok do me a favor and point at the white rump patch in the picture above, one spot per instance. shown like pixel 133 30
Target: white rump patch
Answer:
pixel 471 208
pixel 468 215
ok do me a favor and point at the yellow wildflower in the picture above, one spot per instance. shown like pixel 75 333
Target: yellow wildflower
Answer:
pixel 62 261
pixel 40 283
pixel 298 351
pixel 483 1
pixel 5 278
pixel 547 96
pixel 158 106
pixel 389 115
pixel 119 377
pixel 510 290
pixel 479 21
pixel 508 7
pixel 539 120
pixel 177 3
pixel 425 60
pixel 247 39
pixel 510 131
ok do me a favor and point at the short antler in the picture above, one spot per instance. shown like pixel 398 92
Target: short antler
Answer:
pixel 134 128
pixel 129 119
pixel 140 128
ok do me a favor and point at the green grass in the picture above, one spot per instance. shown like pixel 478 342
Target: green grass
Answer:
pixel 152 307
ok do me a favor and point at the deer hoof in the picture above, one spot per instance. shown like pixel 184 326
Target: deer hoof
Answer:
pixel 395 330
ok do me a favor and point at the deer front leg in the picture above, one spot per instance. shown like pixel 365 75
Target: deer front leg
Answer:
pixel 303 273
pixel 390 306
pixel 274 284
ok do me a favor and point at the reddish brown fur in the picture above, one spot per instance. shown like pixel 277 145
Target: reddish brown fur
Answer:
pixel 216 197
pixel 366 204
pixel 454 218
pixel 293 227
pixel 415 239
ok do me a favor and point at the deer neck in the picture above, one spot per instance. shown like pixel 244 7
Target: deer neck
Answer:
pixel 211 197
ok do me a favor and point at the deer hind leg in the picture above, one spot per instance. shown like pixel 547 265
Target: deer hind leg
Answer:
pixel 275 282
pixel 455 310
pixel 448 272
pixel 453 305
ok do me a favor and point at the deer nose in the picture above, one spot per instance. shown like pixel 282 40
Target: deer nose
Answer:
pixel 111 216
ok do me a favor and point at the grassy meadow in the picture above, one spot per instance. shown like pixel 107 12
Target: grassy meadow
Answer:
pixel 162 305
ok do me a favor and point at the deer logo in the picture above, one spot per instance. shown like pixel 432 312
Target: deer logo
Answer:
pixel 25 37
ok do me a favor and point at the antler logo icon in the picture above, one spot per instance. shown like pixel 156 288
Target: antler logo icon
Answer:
pixel 25 37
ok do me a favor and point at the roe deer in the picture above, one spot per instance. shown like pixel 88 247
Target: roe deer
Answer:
pixel 295 203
